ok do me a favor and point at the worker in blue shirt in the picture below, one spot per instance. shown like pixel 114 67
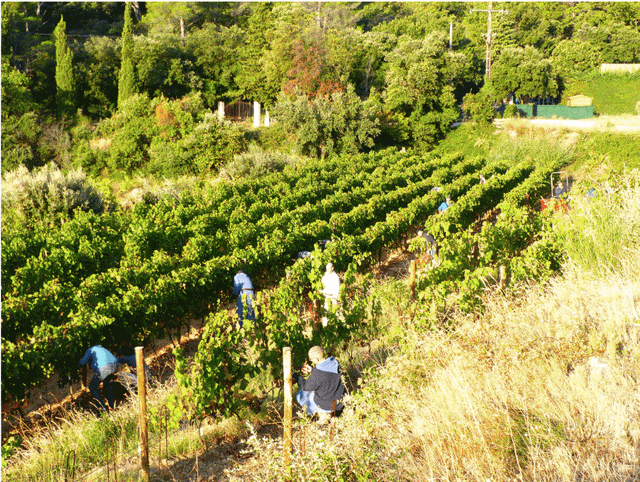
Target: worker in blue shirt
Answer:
pixel 243 289
pixel 104 365
pixel 445 205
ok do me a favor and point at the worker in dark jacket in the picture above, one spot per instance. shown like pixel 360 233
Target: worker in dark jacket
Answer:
pixel 104 365
pixel 322 392
pixel 243 289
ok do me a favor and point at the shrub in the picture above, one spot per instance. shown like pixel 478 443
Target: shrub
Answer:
pixel 19 141
pixel 170 191
pixel 510 111
pixel 479 107
pixel 46 195
pixel 341 123
pixel 256 162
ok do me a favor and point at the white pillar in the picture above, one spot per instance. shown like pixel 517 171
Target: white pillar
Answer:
pixel 220 110
pixel 256 114
pixel 266 118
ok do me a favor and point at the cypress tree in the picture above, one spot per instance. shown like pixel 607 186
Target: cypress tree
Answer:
pixel 65 95
pixel 126 82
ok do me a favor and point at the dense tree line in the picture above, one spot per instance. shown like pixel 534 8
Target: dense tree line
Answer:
pixel 395 68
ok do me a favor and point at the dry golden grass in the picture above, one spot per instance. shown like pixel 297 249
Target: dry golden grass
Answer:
pixel 520 127
pixel 542 387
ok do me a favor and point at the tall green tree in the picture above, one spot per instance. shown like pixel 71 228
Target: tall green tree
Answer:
pixel 65 96
pixel 419 88
pixel 251 77
pixel 127 80
pixel 173 17
pixel 573 56
pixel 525 73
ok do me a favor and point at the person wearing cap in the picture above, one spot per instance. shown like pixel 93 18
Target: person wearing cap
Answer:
pixel 330 290
pixel 243 289
pixel 104 365
pixel 323 390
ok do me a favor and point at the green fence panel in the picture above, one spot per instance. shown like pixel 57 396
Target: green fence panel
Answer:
pixel 564 111
pixel 525 110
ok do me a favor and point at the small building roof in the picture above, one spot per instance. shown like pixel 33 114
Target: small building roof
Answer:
pixel 578 100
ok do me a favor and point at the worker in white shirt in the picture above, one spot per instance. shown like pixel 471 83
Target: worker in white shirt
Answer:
pixel 330 290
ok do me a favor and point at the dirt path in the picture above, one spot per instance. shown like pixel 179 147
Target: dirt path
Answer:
pixel 621 124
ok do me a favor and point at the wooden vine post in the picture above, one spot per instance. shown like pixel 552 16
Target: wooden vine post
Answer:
pixel 143 446
pixel 288 407
pixel 412 279
pixel 503 277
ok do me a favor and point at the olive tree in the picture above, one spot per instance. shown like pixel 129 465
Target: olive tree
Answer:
pixel 523 72
pixel 336 124
pixel 419 88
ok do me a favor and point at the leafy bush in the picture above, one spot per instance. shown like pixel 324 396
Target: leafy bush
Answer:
pixel 19 141
pixel 47 195
pixel 256 162
pixel 479 107
pixel 160 137
pixel 510 111
pixel 273 138
pixel 341 123
pixel 212 143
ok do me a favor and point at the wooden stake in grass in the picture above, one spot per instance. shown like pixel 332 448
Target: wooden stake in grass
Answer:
pixel 142 399
pixel 288 407
pixel 503 277
pixel 412 279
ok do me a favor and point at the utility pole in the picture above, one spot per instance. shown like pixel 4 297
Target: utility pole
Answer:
pixel 487 72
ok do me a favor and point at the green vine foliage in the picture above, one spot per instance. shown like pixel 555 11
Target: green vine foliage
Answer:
pixel 521 240
pixel 214 383
pixel 229 356
pixel 136 274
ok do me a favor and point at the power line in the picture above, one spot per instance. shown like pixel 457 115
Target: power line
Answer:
pixel 489 35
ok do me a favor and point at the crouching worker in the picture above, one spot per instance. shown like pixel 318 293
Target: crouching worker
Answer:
pixel 104 365
pixel 323 390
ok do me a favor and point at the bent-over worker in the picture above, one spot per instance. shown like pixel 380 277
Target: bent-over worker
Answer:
pixel 243 289
pixel 104 365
